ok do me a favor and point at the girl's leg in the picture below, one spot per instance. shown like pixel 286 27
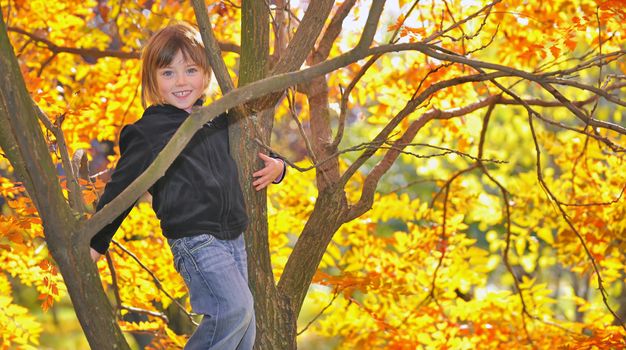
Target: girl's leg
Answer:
pixel 217 290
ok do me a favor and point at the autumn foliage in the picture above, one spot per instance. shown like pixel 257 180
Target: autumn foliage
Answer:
pixel 500 225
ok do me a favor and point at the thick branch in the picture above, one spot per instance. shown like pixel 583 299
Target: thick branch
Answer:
pixel 22 140
pixel 194 122
pixel 303 40
pixel 332 32
pixel 97 53
pixel 254 41
pixel 370 25
pixel 579 113
pixel 371 181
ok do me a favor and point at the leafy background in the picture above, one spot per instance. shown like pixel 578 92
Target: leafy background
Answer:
pixel 436 263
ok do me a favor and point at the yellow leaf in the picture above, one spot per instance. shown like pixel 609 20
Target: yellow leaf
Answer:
pixel 528 263
pixel 520 245
pixel 545 233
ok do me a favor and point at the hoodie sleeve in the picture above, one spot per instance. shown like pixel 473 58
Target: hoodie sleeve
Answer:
pixel 280 179
pixel 135 157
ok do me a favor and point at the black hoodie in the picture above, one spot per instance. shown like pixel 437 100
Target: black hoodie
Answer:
pixel 199 193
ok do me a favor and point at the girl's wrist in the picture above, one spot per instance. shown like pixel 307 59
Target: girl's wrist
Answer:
pixel 281 176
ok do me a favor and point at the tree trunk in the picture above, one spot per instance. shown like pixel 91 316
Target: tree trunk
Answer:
pixel 325 220
pixel 94 312
pixel 22 141
pixel 275 323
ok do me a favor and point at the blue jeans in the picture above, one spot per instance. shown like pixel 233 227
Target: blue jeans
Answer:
pixel 215 272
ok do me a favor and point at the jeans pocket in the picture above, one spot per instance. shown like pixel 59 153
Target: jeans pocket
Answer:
pixel 195 243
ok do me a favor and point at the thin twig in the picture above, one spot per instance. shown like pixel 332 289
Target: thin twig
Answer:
pixel 457 24
pixel 292 111
pixel 146 312
pixel 319 314
pixel 76 197
pixel 116 288
pixel 552 197
pixel 505 199
pixel 157 282
pixel 96 53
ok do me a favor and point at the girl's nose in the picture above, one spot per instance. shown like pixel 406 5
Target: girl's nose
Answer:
pixel 181 79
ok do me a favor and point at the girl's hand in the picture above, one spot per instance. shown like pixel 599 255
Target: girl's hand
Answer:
pixel 95 256
pixel 273 170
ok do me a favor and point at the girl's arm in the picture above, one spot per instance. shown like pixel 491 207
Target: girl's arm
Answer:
pixel 135 157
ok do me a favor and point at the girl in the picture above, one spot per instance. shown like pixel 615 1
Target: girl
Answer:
pixel 199 200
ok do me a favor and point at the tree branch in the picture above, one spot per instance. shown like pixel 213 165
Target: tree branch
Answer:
pixel 23 143
pixel 332 32
pixel 157 282
pixel 410 106
pixel 345 96
pixel 370 25
pixel 294 116
pixel 553 198
pixel 578 112
pixel 97 53
pixel 76 197
pixel 213 50
pixel 457 24
pixel 303 40
pixel 505 199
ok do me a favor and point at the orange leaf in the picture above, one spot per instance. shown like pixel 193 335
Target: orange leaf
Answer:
pixel 571 44
pixel 396 25
pixel 44 265
pixel 556 52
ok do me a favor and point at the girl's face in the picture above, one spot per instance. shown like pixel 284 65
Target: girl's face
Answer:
pixel 181 83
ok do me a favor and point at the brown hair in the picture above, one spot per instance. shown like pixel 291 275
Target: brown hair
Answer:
pixel 160 51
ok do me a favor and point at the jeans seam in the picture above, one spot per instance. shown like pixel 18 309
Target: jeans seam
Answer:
pixel 201 276
pixel 180 267
pixel 175 243
pixel 210 239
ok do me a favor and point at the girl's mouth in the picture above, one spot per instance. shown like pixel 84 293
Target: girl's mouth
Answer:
pixel 182 93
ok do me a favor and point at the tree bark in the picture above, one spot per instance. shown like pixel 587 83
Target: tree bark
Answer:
pixel 327 173
pixel 93 309
pixel 325 220
pixel 299 47
pixel 22 140
pixel 275 323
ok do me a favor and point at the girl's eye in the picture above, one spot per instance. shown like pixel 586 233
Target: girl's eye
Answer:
pixel 167 73
pixel 192 70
